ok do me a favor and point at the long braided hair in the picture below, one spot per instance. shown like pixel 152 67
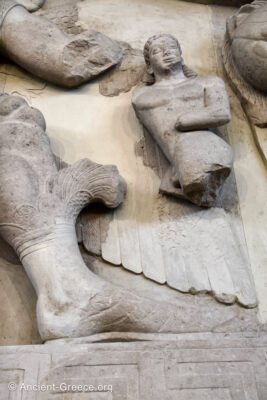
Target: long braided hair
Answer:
pixel 189 73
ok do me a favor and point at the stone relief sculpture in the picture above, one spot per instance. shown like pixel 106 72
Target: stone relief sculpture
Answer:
pixel 65 60
pixel 162 238
pixel 178 110
pixel 245 61
pixel 39 207
pixel 222 351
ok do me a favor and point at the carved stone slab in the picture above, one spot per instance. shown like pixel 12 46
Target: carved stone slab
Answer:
pixel 158 236
pixel 146 217
pixel 151 234
pixel 209 367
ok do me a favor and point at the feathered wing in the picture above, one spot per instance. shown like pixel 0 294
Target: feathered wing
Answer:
pixel 190 249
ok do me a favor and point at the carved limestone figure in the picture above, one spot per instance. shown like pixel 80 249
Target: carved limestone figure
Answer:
pixel 65 60
pixel 178 110
pixel 39 205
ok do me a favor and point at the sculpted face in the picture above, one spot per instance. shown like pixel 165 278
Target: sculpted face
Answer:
pixel 164 55
pixel 249 48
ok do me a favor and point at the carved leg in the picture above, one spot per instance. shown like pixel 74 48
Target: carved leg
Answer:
pixel 203 161
pixel 39 206
pixel 170 184
pixel 66 60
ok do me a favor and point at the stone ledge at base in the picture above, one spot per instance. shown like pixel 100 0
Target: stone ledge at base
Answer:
pixel 190 367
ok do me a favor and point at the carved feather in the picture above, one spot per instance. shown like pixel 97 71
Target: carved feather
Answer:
pixel 177 243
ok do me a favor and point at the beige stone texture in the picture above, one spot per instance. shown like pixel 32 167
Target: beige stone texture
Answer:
pixel 250 175
pixel 252 190
pixel 184 367
pixel 83 123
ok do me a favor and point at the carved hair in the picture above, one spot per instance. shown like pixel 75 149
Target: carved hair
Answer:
pixel 189 73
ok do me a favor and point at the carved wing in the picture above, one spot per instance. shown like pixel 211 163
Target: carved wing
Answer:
pixel 190 249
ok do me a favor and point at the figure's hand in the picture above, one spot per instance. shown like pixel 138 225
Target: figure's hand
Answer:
pixel 210 117
pixel 186 122
pixel 179 124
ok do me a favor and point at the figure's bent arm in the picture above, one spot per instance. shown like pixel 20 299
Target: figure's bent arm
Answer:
pixel 215 111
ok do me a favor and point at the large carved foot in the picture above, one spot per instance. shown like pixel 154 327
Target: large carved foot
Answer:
pixel 73 302
pixel 99 307
pixel 65 60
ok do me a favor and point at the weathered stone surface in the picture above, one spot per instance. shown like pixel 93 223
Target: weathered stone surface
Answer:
pixel 245 62
pixel 153 234
pixel 174 218
pixel 188 367
pixel 63 13
pixel 250 172
pixel 39 214
pixel 125 237
pixel 247 33
pixel 77 130
pixel 18 324
pixel 55 57
pixel 128 74
pixel 169 251
pixel 199 160
pixel 39 208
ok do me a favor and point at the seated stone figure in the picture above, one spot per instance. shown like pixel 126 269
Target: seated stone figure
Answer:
pixel 178 110
pixel 40 47
pixel 39 205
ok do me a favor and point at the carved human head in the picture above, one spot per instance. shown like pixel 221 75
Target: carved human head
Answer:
pixel 162 53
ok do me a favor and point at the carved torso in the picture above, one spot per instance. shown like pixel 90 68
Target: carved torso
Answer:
pixel 178 116
pixel 159 107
